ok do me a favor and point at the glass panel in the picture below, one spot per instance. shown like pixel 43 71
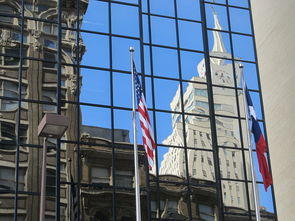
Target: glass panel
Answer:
pixel 198 132
pixel 206 212
pixel 217 1
pixel 235 198
pixel 128 1
pixel 122 95
pixel 169 135
pixel 97 156
pixel 231 164
pixel 96 21
pixel 166 101
pixel 7 177
pixel 188 9
pixel 97 53
pixel 219 44
pixel 164 7
pixel 172 161
pixel 164 31
pixel 121 54
pixel 96 86
pixel 100 175
pixel 216 17
pixel 241 3
pixel 173 205
pixel 228 133
pixel 250 75
pixel 165 62
pixel 201 167
pixel 145 24
pixel 125 20
pixel 240 20
pixel 95 116
pixel 190 63
pixel 195 98
pixel 123 120
pixel 224 100
pixel 266 201
pixel 243 47
pixel 190 35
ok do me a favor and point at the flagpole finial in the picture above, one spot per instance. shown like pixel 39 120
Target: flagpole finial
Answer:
pixel 131 49
pixel 241 66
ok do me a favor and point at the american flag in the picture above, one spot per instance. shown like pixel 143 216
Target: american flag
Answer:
pixel 145 123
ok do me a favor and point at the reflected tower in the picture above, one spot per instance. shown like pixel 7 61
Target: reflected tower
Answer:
pixel 198 132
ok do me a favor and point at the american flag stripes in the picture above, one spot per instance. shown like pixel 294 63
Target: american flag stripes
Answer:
pixel 145 123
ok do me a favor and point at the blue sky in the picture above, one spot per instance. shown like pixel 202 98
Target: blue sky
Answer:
pixel 96 83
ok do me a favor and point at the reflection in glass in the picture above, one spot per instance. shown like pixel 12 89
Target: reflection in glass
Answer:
pixel 99 169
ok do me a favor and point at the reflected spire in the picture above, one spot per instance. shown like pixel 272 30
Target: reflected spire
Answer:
pixel 218 42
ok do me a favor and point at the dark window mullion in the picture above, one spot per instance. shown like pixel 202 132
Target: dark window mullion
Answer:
pixel 78 134
pixel 158 197
pixel 182 113
pixel 239 112
pixel 59 104
pixel 18 113
pixel 114 209
pixel 219 197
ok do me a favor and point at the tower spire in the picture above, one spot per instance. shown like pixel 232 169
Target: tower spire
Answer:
pixel 218 41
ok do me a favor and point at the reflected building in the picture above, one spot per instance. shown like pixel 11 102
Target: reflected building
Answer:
pixel 103 173
pixel 198 132
pixel 96 170
pixel 38 87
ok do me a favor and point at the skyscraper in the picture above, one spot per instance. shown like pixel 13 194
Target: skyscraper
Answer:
pixel 71 57
pixel 198 135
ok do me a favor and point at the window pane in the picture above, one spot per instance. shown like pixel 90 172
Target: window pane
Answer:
pixel 164 32
pixel 125 20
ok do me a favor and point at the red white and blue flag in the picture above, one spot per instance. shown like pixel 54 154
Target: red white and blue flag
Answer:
pixel 261 147
pixel 145 123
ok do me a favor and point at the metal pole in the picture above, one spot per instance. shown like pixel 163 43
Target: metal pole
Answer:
pixel 137 188
pixel 43 182
pixel 255 192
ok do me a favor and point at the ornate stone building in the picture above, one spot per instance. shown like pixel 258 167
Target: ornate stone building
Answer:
pixel 37 70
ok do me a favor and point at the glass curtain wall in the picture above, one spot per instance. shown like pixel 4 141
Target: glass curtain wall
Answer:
pixel 71 57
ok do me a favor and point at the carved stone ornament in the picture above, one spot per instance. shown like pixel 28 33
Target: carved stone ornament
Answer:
pixel 3 72
pixel 36 40
pixel 72 83
pixel 5 39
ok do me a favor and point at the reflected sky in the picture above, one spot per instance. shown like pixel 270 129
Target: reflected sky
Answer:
pixel 165 63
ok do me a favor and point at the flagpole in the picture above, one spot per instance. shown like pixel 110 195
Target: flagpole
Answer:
pixel 137 188
pixel 254 186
